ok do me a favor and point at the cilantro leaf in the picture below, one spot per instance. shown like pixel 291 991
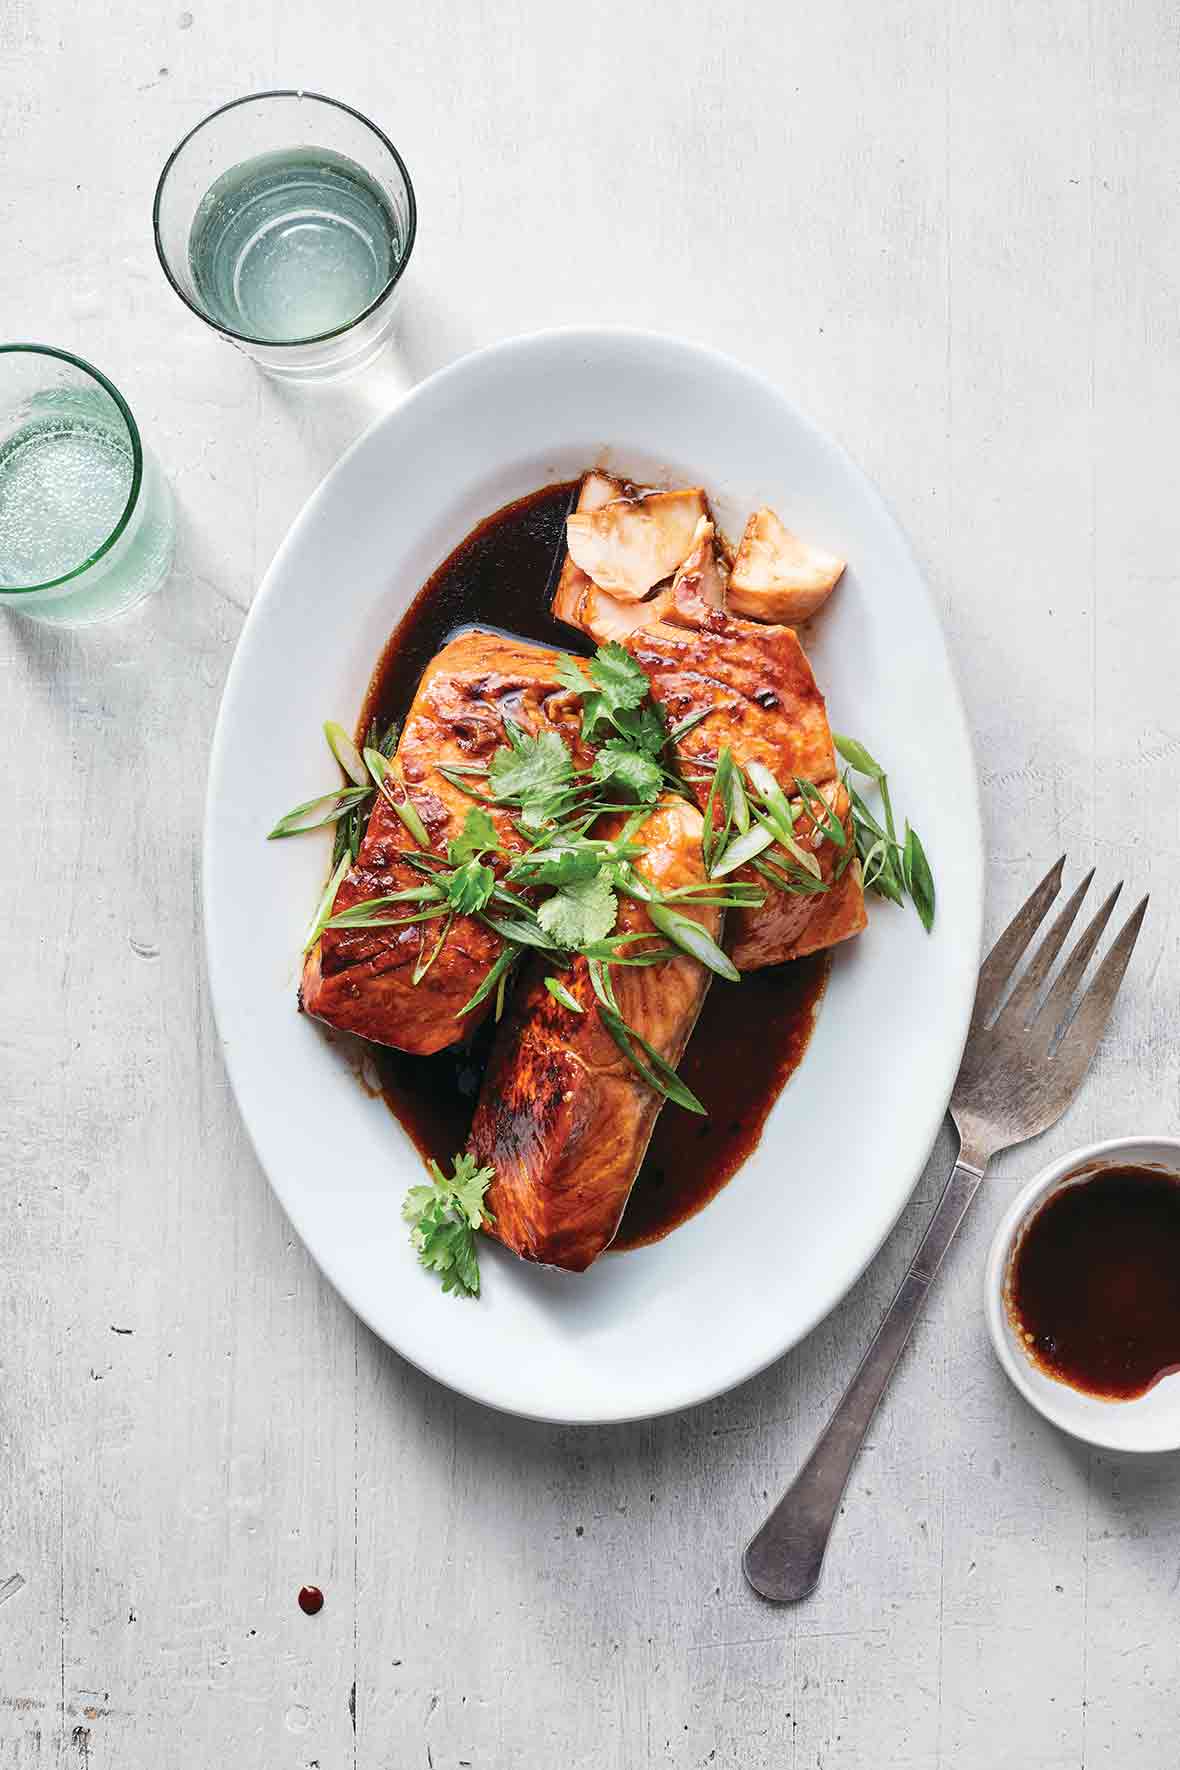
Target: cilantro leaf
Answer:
pixel 620 678
pixel 559 864
pixel 614 695
pixel 532 769
pixel 469 887
pixel 571 675
pixel 646 729
pixel 594 714
pixel 579 913
pixel 467 1184
pixel 448 1249
pixel 633 770
pixel 443 1219
pixel 478 836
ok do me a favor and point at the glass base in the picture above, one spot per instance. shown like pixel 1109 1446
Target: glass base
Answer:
pixel 334 360
pixel 135 568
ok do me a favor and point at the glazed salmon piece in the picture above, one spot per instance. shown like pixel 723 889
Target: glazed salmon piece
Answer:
pixel 752 681
pixel 361 980
pixel 563 1117
pixel 756 688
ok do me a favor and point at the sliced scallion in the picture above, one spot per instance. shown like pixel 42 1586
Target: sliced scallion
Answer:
pixel 683 932
pixel 346 753
pixel 300 820
pixel 324 907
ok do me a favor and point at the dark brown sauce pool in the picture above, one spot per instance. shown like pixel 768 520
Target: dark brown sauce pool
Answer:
pixel 1094 1287
pixel 750 1036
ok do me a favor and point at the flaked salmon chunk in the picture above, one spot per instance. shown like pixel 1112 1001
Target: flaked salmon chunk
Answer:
pixel 630 545
pixel 596 489
pixel 778 577
pixel 699 582
pixel 605 618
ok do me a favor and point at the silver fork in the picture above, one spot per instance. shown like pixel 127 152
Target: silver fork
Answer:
pixel 1021 1068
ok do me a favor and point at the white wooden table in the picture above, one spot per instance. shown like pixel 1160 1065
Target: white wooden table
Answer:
pixel 950 232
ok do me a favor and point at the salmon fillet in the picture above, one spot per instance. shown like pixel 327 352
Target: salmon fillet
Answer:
pixel 361 980
pixel 753 681
pixel 562 1116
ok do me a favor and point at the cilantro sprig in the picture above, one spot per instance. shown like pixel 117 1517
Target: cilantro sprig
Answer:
pixel 444 1217
pixel 534 772
pixel 630 729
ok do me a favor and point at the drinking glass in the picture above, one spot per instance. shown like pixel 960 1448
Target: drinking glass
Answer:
pixel 285 221
pixel 86 521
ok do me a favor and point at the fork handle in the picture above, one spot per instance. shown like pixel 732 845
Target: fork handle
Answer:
pixel 783 1561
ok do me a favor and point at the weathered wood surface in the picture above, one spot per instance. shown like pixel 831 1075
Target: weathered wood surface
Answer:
pixel 951 233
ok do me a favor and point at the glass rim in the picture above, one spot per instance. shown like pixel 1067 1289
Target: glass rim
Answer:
pixel 128 417
pixel 316 337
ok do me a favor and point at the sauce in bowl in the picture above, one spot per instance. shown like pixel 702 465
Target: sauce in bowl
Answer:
pixel 1093 1287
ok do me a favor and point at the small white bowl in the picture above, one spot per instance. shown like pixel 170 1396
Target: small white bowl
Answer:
pixel 1149 1423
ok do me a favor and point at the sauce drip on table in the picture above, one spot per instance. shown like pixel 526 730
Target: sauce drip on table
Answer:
pixel 750 1036
pixel 1094 1287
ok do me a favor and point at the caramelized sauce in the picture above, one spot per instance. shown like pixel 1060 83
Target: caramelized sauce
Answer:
pixel 498 577
pixel 750 1036
pixel 1094 1286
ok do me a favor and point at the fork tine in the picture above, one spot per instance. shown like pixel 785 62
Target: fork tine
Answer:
pixel 1015 1011
pixel 1089 1023
pixel 997 968
pixel 1055 1007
